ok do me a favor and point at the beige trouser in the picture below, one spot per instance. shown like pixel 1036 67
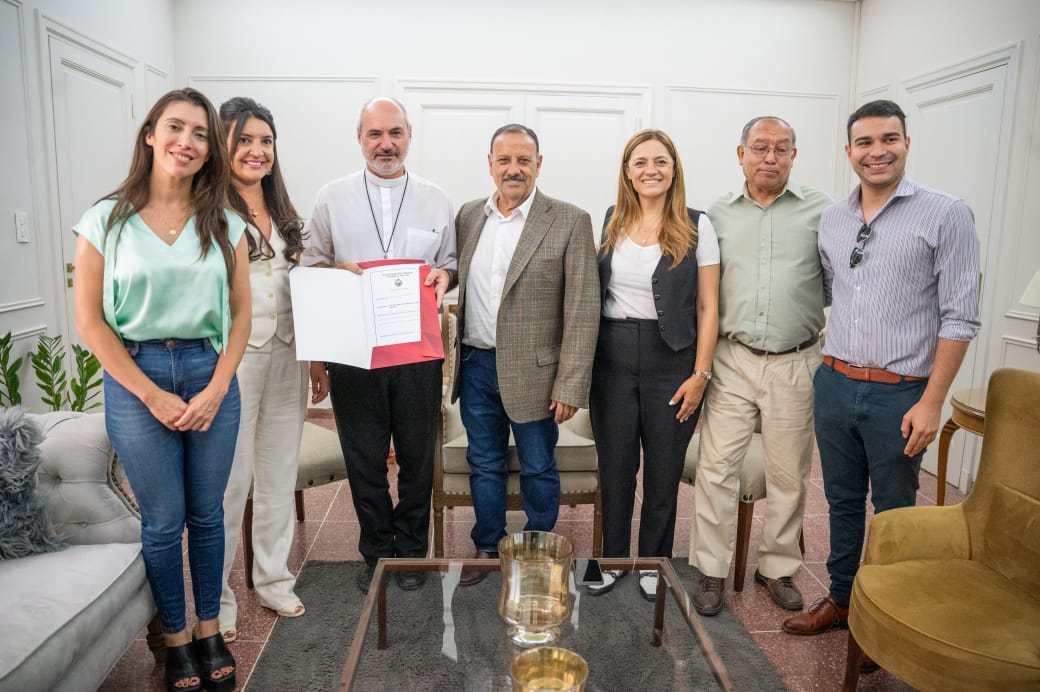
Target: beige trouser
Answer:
pixel 273 387
pixel 744 387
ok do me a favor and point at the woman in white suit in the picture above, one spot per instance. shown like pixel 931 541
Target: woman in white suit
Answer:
pixel 273 383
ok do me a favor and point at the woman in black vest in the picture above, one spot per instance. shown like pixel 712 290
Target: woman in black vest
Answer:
pixel 659 285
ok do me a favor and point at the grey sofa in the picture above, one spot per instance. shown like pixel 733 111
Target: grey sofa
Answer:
pixel 69 616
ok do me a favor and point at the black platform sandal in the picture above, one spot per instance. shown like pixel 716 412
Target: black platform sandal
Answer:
pixel 180 666
pixel 212 654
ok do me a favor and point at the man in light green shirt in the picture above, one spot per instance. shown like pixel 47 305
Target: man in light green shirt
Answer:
pixel 770 316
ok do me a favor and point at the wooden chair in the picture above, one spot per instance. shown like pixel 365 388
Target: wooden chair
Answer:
pixel 321 462
pixel 752 489
pixel 948 598
pixel 575 459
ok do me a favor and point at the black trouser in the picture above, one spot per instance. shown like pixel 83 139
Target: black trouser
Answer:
pixel 370 406
pixel 634 376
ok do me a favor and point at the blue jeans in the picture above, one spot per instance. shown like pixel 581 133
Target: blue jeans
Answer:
pixel 487 431
pixel 858 432
pixel 178 478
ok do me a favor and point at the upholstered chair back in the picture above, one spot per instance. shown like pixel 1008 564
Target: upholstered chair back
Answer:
pixel 1003 509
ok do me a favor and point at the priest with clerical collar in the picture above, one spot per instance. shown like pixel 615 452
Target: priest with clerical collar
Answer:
pixel 385 212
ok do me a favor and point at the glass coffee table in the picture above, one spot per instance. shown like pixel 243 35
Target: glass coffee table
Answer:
pixel 443 636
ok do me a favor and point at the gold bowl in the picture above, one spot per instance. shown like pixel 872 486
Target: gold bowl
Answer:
pixel 549 668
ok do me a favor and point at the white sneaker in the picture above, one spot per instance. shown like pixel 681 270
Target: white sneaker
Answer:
pixel 610 576
pixel 648 584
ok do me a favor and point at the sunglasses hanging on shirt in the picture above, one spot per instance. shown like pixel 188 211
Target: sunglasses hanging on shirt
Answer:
pixel 858 253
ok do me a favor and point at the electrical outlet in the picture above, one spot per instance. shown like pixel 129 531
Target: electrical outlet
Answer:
pixel 21 227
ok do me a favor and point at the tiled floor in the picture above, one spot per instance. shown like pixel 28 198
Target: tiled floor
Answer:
pixel 330 532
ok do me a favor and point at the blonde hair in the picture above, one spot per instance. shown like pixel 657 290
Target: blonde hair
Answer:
pixel 678 234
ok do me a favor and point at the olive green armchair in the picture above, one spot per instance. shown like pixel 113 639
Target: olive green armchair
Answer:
pixel 948 598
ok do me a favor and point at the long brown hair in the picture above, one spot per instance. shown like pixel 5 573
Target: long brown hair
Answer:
pixel 208 186
pixel 678 234
pixel 234 113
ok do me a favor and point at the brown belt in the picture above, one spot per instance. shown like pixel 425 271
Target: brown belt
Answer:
pixel 800 347
pixel 854 372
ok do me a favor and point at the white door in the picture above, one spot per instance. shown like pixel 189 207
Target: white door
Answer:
pixel 957 135
pixel 582 137
pixel 452 127
pixel 91 94
pixel 581 132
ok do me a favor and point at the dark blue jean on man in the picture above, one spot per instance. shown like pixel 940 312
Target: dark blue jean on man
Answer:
pixel 487 432
pixel 178 478
pixel 858 433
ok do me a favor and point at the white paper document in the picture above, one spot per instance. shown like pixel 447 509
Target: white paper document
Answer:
pixel 340 316
pixel 394 295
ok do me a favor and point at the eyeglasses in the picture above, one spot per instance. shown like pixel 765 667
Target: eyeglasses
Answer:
pixel 858 253
pixel 760 150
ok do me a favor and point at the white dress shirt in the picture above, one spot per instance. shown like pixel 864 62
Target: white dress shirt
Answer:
pixel 918 282
pixel 488 269
pixel 342 228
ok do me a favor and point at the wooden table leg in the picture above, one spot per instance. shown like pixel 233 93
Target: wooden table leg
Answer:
pixel 658 611
pixel 381 610
pixel 944 453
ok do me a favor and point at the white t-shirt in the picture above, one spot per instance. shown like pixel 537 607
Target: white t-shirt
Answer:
pixel 629 293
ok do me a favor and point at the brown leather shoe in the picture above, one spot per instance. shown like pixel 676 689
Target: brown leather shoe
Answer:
pixel 475 575
pixel 707 599
pixel 783 591
pixel 823 616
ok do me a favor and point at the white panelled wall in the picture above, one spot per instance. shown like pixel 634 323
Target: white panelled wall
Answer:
pixel 74 78
pixel 968 76
pixel 584 74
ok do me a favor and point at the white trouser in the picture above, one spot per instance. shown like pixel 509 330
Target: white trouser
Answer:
pixel 273 388
pixel 744 387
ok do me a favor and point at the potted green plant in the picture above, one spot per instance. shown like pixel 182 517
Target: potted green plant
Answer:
pixel 10 385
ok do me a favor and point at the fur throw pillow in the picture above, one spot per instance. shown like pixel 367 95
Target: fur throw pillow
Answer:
pixel 24 526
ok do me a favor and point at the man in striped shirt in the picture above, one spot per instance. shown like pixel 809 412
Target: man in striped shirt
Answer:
pixel 901 270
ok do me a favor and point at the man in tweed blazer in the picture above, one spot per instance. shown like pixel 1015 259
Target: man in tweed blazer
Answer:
pixel 528 320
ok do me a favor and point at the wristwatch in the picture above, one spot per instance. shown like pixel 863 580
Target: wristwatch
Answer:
pixel 705 374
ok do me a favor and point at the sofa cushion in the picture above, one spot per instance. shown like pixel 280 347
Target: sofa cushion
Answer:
pixel 76 477
pixel 57 605
pixel 958 616
pixel 25 528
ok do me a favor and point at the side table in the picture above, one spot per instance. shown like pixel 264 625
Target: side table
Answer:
pixel 969 413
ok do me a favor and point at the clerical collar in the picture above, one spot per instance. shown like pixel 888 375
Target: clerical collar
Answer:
pixel 374 179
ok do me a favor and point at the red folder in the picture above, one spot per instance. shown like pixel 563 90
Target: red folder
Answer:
pixel 429 347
